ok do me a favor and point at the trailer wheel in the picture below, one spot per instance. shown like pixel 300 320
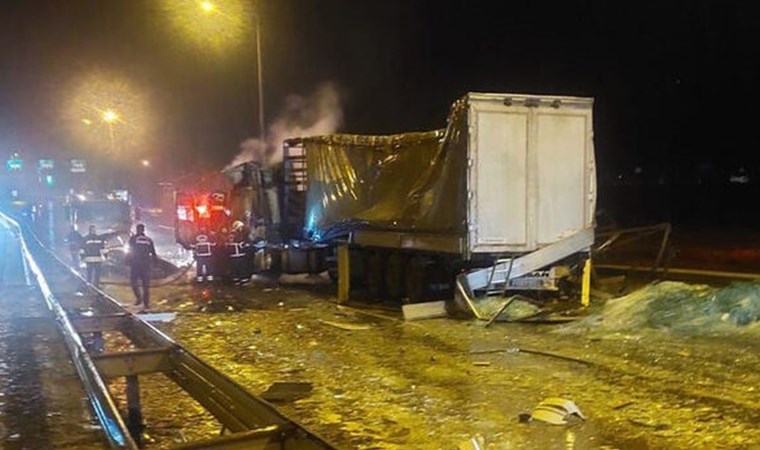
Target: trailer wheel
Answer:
pixel 358 264
pixel 416 279
pixel 440 279
pixel 374 275
pixel 395 266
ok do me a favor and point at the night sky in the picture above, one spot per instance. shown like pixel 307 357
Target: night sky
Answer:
pixel 671 79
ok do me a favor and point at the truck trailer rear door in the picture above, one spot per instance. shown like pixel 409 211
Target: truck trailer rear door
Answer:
pixel 531 171
pixel 498 177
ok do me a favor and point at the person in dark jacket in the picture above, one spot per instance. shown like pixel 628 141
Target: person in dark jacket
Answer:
pixel 219 261
pixel 142 252
pixel 74 240
pixel 93 254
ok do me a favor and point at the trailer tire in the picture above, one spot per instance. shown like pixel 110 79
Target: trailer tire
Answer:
pixel 374 272
pixel 416 279
pixel 395 283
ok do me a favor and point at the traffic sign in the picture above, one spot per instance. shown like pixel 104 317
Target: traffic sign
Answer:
pixel 78 166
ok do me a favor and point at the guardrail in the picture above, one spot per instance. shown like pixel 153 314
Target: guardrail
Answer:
pixel 254 423
pixel 100 399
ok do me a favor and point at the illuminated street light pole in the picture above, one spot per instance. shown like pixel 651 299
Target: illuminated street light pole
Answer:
pixel 260 79
pixel 110 117
pixel 209 7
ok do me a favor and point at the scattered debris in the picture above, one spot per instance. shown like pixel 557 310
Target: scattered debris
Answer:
pixel 654 426
pixel 555 411
pixel 517 307
pixel 549 320
pixel 532 352
pixel 691 309
pixel 499 311
pixel 158 317
pixel 476 442
pixel 602 295
pixel 481 363
pixel 286 391
pixel 346 326
pixel 429 310
pixel 622 405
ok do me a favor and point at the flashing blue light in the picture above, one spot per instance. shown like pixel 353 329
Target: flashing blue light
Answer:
pixel 312 230
pixel 49 180
pixel 311 226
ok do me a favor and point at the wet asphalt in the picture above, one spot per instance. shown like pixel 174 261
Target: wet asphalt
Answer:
pixel 42 403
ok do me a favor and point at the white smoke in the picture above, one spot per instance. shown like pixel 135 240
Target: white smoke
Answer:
pixel 317 114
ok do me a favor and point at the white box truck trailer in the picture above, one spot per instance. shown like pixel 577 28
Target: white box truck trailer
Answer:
pixel 496 200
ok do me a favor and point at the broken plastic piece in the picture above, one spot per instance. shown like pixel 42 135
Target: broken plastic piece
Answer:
pixel 476 442
pixel 287 391
pixel 557 411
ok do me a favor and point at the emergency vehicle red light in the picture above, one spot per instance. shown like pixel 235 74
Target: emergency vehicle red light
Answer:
pixel 203 211
pixel 184 214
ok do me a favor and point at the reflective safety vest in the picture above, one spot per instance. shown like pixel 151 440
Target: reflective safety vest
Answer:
pixel 236 249
pixel 93 249
pixel 202 246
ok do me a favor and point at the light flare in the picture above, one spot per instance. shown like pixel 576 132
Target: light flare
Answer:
pixel 213 27
pixel 106 115
pixel 110 116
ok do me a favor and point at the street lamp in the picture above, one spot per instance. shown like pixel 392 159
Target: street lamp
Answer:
pixel 110 117
pixel 209 7
pixel 260 78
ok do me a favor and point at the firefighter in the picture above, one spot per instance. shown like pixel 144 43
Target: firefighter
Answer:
pixel 219 253
pixel 259 233
pixel 142 252
pixel 93 254
pixel 237 253
pixel 204 255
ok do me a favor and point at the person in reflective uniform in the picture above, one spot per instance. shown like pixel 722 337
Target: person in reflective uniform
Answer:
pixel 203 254
pixel 219 254
pixel 93 254
pixel 237 254
pixel 141 254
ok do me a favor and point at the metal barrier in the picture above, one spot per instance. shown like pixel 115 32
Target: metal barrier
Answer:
pixel 254 423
